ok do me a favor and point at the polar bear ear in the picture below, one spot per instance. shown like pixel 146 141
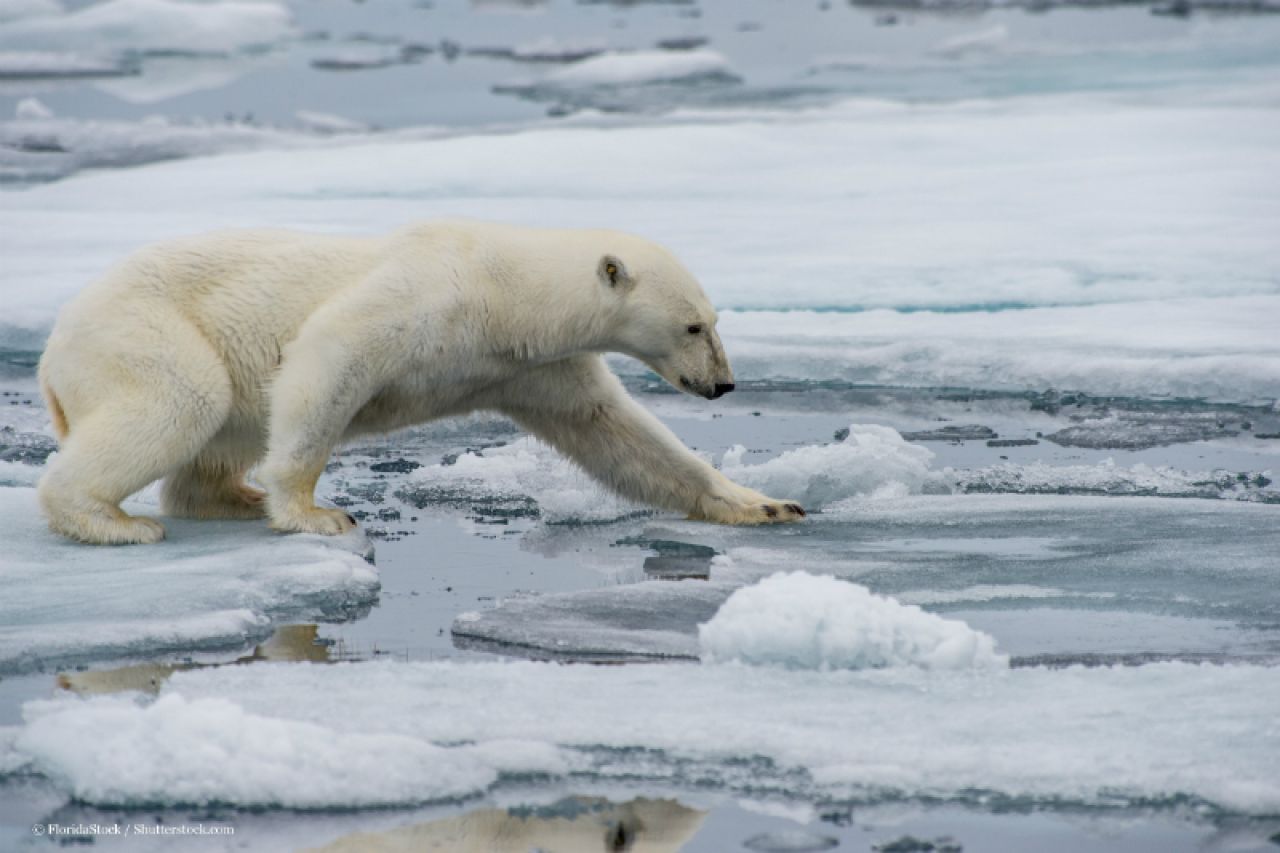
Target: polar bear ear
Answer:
pixel 614 274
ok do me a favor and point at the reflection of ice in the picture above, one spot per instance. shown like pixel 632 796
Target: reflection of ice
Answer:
pixel 403 733
pixel 210 585
pixel 575 825
pixel 643 67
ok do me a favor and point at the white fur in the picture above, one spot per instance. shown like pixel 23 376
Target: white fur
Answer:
pixel 197 359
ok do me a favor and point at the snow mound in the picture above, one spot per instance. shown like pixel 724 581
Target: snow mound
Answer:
pixel 524 478
pixel 804 621
pixel 207 750
pixel 210 585
pixel 643 68
pixel 217 27
pixel 870 461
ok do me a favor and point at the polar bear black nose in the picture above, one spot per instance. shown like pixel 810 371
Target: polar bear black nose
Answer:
pixel 722 388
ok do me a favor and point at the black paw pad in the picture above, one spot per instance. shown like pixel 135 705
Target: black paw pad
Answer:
pixel 351 518
pixel 797 509
pixel 771 512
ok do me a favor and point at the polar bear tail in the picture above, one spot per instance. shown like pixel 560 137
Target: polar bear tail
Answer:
pixel 60 427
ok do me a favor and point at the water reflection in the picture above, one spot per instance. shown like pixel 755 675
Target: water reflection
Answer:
pixel 573 825
pixel 288 643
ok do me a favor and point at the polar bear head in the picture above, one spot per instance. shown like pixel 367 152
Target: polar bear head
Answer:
pixel 666 321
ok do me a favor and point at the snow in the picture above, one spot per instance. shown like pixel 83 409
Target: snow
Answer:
pixel 349 734
pixel 870 461
pixel 1079 242
pixel 209 585
pixel 803 621
pixel 219 26
pixel 644 67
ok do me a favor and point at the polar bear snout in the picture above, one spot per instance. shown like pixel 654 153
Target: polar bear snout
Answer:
pixel 721 389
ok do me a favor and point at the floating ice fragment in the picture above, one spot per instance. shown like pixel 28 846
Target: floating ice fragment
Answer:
pixel 869 460
pixel 210 585
pixel 804 621
pixel 644 67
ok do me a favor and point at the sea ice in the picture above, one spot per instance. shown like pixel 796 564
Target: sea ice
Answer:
pixel 210 585
pixel 338 736
pixel 1124 295
pixel 803 621
pixel 640 68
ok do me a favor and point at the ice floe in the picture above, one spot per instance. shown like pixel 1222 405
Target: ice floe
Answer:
pixel 347 735
pixel 38 65
pixel 803 621
pixel 210 585
pixel 641 68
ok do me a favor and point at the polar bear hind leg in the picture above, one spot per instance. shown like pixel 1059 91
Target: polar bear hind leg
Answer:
pixel 129 424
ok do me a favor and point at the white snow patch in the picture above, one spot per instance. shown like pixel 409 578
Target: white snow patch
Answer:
pixel 804 621
pixel 644 67
pixel 352 734
pixel 871 461
pixel 218 26
pixel 208 585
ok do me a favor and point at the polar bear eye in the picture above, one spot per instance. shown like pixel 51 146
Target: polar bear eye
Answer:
pixel 695 329
pixel 611 269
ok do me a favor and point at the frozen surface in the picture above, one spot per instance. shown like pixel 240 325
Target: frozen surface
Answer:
pixel 803 621
pixel 640 68
pixel 210 585
pixel 1151 735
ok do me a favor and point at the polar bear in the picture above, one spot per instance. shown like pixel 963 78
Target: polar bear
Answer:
pixel 197 359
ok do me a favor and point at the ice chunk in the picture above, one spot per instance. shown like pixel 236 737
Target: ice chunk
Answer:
pixel 805 621
pixel 209 585
pixel 644 67
pixel 328 123
pixel 348 735
pixel 870 460
pixel 523 478
pixel 220 26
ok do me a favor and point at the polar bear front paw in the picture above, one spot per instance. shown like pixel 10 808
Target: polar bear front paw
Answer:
pixel 746 507
pixel 317 519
